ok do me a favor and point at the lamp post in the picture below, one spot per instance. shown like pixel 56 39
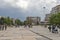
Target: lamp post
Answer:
pixel 45 24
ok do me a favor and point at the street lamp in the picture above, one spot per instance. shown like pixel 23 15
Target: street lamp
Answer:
pixel 44 12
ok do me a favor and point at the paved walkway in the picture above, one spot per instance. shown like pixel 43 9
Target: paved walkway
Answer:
pixel 19 34
pixel 44 31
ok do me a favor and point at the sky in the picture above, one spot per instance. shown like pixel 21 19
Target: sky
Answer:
pixel 24 8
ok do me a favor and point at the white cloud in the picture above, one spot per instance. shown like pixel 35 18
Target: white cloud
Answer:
pixel 26 3
pixel 15 3
pixel 58 1
pixel 31 7
pixel 22 3
pixel 7 3
pixel 50 1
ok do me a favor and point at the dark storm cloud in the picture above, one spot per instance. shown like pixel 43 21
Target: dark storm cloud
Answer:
pixel 35 8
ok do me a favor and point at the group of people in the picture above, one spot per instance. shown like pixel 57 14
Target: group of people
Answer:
pixel 53 28
pixel 3 27
pixel 29 26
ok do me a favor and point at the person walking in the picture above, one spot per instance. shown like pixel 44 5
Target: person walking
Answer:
pixel 49 28
pixel 25 26
pixel 0 27
pixel 53 28
pixel 29 25
pixel 56 29
pixel 5 27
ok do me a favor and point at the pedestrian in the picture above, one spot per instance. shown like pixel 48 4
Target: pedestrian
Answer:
pixel 45 25
pixel 53 28
pixel 25 26
pixel 56 29
pixel 0 27
pixel 29 25
pixel 5 27
pixel 58 26
pixel 49 28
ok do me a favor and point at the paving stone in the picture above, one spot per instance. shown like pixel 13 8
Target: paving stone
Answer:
pixel 18 34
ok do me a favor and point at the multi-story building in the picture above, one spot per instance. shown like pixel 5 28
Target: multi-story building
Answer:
pixel 34 20
pixel 13 20
pixel 47 18
pixel 55 9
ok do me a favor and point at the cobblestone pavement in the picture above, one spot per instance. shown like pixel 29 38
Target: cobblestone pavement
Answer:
pixel 19 34
pixel 45 32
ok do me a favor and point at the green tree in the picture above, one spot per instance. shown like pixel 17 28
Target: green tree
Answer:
pixel 25 22
pixel 5 20
pixel 9 21
pixel 55 18
pixel 2 20
pixel 18 22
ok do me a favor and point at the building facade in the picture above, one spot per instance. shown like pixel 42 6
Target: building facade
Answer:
pixel 34 20
pixel 47 18
pixel 55 9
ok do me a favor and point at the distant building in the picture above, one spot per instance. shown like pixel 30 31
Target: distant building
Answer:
pixel 55 9
pixel 13 20
pixel 34 20
pixel 47 18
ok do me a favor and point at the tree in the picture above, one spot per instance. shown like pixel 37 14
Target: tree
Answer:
pixel 25 22
pixel 18 22
pixel 55 18
pixel 8 21
pixel 2 20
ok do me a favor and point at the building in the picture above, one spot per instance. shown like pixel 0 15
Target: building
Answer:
pixel 34 20
pixel 55 9
pixel 47 18
pixel 13 20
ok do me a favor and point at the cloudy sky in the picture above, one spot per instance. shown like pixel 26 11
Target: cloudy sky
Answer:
pixel 23 8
